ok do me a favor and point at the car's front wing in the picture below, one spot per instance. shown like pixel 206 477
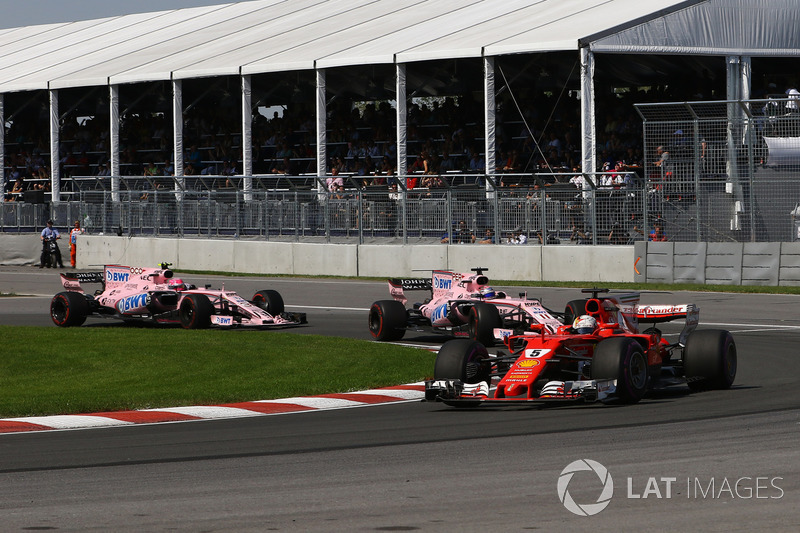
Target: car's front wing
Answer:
pixel 456 392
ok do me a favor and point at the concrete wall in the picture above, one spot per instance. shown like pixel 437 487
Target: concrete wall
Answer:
pixel 714 263
pixel 528 262
pixel 661 262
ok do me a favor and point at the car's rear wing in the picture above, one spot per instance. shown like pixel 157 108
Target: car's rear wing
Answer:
pixel 72 280
pixel 664 313
pixel 398 286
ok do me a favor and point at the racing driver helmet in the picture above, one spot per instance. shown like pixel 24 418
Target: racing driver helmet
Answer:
pixel 176 284
pixel 488 293
pixel 584 324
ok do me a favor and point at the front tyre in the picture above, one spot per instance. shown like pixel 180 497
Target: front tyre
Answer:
pixel 387 320
pixel 709 359
pixel 482 320
pixel 463 359
pixel 69 309
pixel 270 301
pixel 195 311
pixel 623 359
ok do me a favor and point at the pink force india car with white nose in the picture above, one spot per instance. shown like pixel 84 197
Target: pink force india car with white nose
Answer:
pixel 460 304
pixel 155 295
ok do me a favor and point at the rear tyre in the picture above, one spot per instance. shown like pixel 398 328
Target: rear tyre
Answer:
pixel 574 309
pixel 270 301
pixel 387 320
pixel 195 311
pixel 483 318
pixel 623 359
pixel 709 359
pixel 69 309
pixel 463 359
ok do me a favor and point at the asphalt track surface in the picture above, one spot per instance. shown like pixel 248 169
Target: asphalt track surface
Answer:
pixel 714 461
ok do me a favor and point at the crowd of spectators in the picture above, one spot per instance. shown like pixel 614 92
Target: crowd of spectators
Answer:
pixel 444 142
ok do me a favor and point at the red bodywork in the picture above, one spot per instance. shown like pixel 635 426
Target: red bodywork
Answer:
pixel 546 366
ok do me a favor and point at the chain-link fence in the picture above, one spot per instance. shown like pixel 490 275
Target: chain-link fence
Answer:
pixel 542 208
pixel 724 171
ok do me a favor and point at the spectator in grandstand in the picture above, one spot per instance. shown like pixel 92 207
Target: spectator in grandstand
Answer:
pixel 16 191
pixel 663 157
pixel 657 234
pixel 151 170
pixel 488 237
pixel 476 163
pixel 285 167
pixel 461 234
pixel 792 106
pixel 334 181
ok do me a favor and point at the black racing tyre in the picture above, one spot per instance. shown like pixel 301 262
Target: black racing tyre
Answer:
pixel 482 320
pixel 709 359
pixel 574 309
pixel 623 359
pixel 195 311
pixel 463 359
pixel 270 301
pixel 387 320
pixel 69 309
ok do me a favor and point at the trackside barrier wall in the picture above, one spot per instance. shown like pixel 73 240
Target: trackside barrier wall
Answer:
pixel 644 262
pixel 749 263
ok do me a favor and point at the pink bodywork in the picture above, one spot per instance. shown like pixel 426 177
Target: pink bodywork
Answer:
pixel 452 292
pixel 144 293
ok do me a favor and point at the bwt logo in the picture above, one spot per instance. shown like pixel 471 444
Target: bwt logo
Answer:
pixel 133 302
pixel 442 283
pixel 439 313
pixel 122 277
pixel 586 509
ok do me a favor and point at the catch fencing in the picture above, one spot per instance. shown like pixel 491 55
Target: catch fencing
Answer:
pixel 542 208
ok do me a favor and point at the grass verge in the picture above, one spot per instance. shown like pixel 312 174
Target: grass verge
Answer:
pixel 46 371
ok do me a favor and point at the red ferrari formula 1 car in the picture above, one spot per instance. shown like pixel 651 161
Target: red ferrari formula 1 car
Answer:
pixel 462 305
pixel 601 356
pixel 155 295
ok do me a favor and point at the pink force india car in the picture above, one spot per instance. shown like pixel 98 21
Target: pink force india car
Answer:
pixel 602 356
pixel 155 295
pixel 459 304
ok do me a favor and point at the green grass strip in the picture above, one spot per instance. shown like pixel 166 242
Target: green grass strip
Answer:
pixel 46 370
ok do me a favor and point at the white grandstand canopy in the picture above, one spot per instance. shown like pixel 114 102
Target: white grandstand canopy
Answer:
pixel 285 35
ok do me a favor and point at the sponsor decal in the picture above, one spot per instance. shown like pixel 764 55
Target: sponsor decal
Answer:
pixel 131 303
pixel 222 320
pixel 86 277
pixel 441 283
pixel 412 284
pixel 136 271
pixel 116 276
pixel 528 363
pixel 439 313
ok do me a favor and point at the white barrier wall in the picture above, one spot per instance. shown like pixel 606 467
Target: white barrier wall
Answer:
pixel 528 262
